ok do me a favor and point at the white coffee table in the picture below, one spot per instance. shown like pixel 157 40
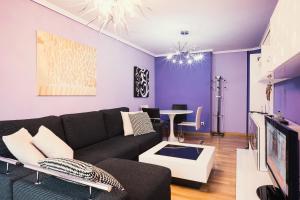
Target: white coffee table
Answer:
pixel 197 170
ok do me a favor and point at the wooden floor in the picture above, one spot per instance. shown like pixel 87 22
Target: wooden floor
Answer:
pixel 221 184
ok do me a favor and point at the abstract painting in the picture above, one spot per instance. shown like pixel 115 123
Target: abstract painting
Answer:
pixel 64 67
pixel 141 82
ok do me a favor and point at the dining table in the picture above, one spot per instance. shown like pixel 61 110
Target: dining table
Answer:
pixel 172 114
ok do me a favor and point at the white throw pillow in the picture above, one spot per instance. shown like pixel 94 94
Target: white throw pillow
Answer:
pixel 19 144
pixel 127 123
pixel 51 145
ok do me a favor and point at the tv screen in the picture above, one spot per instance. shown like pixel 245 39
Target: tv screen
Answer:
pixel 276 155
pixel 282 157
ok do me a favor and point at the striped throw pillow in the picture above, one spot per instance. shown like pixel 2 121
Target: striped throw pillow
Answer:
pixel 141 123
pixel 80 169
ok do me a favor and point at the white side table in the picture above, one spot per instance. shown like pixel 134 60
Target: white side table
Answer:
pixel 172 114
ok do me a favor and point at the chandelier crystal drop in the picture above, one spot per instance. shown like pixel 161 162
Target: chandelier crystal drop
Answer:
pixel 187 57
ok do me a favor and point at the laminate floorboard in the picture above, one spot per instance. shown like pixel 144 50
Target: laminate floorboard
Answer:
pixel 222 180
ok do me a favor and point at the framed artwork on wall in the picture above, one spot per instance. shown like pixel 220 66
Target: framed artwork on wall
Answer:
pixel 141 82
pixel 64 67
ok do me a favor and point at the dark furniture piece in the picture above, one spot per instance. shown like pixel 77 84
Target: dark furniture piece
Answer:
pixel 179 118
pixel 159 125
pixel 153 114
pixel 96 137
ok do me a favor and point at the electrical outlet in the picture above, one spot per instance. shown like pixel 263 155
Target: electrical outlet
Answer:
pixel 202 123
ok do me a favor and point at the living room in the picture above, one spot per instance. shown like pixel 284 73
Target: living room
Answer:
pixel 149 100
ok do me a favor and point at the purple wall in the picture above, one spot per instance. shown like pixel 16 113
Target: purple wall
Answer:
pixel 19 21
pixel 233 67
pixel 185 84
pixel 286 99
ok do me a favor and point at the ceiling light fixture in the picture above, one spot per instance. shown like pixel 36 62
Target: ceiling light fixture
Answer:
pixel 183 54
pixel 114 12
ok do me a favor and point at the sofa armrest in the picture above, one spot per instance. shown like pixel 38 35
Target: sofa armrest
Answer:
pixel 9 161
pixel 67 177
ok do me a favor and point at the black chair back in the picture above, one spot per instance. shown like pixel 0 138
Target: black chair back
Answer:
pixel 179 118
pixel 153 113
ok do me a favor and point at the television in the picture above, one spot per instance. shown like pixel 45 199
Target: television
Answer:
pixel 282 158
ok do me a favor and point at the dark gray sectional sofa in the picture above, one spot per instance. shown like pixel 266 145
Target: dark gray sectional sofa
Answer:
pixel 96 137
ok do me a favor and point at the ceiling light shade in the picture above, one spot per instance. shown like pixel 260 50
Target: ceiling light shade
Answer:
pixel 184 54
pixel 115 12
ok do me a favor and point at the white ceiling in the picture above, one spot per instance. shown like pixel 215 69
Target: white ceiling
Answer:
pixel 213 24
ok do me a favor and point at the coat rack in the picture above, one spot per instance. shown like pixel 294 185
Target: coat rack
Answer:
pixel 219 86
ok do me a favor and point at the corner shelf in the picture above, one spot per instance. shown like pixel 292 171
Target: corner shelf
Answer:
pixel 266 80
pixel 289 69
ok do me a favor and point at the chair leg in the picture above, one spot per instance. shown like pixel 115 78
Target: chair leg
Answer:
pixel 178 136
pixel 181 135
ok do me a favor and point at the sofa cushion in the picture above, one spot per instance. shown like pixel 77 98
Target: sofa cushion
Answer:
pixel 51 145
pixel 32 125
pixel 141 123
pixel 115 147
pixel 57 189
pixel 127 127
pixel 145 141
pixel 82 170
pixel 141 181
pixel 71 167
pixel 20 145
pixel 113 121
pixel 84 129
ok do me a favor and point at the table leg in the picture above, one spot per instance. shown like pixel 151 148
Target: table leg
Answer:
pixel 172 137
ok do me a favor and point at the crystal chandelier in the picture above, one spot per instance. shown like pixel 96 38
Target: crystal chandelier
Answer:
pixel 114 12
pixel 184 54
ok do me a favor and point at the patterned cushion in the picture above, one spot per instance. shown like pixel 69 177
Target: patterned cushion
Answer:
pixel 80 169
pixel 141 123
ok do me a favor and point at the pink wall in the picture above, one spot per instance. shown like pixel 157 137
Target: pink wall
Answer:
pixel 19 20
pixel 233 67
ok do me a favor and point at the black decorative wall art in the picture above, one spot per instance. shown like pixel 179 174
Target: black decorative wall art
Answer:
pixel 141 82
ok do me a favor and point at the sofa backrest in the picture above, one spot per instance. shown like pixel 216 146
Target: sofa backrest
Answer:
pixel 77 130
pixel 113 121
pixel 84 129
pixel 32 125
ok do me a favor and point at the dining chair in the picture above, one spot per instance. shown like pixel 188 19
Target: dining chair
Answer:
pixel 179 118
pixel 143 106
pixel 158 124
pixel 196 124
pixel 153 113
